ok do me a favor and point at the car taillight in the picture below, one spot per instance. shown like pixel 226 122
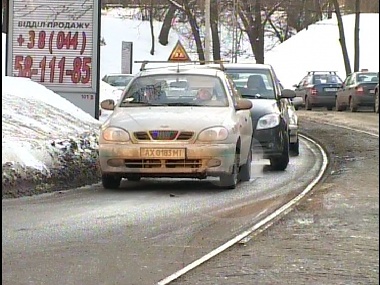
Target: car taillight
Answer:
pixel 314 91
pixel 359 90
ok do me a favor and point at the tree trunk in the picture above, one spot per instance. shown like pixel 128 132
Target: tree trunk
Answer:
pixel 342 38
pixel 356 39
pixel 214 17
pixel 195 31
pixel 163 38
pixel 151 26
pixel 259 32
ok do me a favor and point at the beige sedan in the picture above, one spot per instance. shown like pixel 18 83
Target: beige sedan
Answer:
pixel 188 123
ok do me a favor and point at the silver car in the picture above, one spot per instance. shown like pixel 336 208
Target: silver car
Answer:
pixel 180 122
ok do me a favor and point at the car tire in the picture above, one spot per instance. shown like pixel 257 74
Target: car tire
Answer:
pixel 308 106
pixel 279 163
pixel 294 148
pixel 245 169
pixel 338 107
pixel 230 180
pixel 377 102
pixel 353 106
pixel 111 181
pixel 329 108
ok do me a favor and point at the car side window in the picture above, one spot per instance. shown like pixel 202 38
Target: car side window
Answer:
pixel 350 80
pixel 233 91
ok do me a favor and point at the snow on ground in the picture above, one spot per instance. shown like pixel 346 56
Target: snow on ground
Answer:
pixel 318 48
pixel 42 130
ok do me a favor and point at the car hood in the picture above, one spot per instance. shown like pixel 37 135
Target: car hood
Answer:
pixel 175 118
pixel 261 107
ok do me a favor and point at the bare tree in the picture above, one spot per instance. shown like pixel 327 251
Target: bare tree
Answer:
pixel 163 38
pixel 356 36
pixel 214 18
pixel 342 38
pixel 151 26
pixel 188 7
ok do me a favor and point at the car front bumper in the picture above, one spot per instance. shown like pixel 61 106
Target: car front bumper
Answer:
pixel 322 100
pixel 199 161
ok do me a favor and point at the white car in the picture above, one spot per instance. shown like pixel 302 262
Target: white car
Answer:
pixel 194 130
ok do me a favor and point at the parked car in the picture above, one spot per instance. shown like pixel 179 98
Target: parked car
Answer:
pixel 358 90
pixel 377 98
pixel 195 130
pixel 117 80
pixel 272 135
pixel 318 89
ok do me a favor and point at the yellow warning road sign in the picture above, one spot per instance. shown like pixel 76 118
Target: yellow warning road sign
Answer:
pixel 179 53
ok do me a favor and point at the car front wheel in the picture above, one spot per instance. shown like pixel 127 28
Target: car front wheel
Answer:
pixel 279 163
pixel 111 181
pixel 245 169
pixel 230 180
pixel 294 148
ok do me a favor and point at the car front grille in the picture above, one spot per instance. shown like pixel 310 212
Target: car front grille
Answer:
pixel 163 163
pixel 163 135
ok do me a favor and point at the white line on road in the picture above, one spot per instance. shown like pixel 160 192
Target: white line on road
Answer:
pixel 265 222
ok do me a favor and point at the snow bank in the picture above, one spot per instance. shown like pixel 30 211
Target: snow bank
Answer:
pixel 43 134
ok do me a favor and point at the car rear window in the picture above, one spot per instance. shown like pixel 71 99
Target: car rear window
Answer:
pixel 326 79
pixel 253 82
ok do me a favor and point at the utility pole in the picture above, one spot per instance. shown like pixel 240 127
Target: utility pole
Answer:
pixel 207 30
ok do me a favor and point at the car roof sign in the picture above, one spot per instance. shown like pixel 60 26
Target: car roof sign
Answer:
pixel 179 53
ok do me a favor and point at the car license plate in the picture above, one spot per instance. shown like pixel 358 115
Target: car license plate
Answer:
pixel 331 89
pixel 372 91
pixel 164 153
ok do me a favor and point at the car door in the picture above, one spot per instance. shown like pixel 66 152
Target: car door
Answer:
pixel 346 91
pixel 244 121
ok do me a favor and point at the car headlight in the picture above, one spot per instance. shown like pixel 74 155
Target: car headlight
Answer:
pixel 268 121
pixel 213 134
pixel 115 134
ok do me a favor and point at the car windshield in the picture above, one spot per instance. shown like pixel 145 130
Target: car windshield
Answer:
pixel 175 90
pixel 326 79
pixel 119 80
pixel 253 83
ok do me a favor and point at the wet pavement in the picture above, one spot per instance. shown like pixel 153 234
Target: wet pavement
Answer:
pixel 331 237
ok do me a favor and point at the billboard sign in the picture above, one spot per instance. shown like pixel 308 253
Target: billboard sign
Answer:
pixel 56 43
pixel 126 57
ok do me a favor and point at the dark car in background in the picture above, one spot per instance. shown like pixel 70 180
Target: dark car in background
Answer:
pixel 358 90
pixel 318 89
pixel 273 137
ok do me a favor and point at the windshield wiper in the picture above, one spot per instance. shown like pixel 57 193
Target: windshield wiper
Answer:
pixel 255 96
pixel 126 103
pixel 181 104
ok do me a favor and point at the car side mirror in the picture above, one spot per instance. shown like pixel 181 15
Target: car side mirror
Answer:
pixel 295 85
pixel 108 104
pixel 287 93
pixel 243 104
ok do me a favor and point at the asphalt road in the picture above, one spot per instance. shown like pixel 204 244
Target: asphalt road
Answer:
pixel 140 233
